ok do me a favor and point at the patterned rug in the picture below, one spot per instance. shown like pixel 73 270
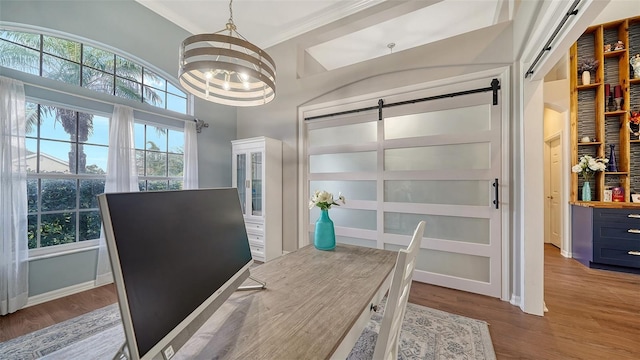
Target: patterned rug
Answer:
pixel 426 334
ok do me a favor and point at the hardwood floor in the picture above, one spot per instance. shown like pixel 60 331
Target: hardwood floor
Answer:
pixel 593 314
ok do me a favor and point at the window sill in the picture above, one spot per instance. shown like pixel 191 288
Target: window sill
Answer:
pixel 59 250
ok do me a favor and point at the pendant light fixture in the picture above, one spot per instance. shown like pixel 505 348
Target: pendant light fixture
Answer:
pixel 225 68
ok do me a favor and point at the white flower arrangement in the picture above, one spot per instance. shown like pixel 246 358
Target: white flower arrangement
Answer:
pixel 324 200
pixel 588 165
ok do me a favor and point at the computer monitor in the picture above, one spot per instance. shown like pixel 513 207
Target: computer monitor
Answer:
pixel 176 257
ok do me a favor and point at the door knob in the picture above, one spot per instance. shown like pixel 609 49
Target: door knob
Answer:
pixel 549 197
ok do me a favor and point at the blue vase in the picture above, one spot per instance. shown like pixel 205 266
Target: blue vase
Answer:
pixel 586 191
pixel 325 235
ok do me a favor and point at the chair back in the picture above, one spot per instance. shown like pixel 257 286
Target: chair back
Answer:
pixel 388 337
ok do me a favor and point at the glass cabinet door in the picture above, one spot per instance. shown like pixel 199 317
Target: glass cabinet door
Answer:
pixel 256 183
pixel 241 180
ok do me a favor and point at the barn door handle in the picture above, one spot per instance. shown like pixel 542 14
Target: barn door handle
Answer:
pixel 496 201
pixel 634 216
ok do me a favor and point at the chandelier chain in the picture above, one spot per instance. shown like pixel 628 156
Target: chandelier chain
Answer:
pixel 230 12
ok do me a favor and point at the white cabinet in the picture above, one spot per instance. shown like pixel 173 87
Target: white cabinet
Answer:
pixel 257 174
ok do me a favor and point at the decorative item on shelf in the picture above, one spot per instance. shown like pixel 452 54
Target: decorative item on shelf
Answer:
pixel 619 45
pixel 585 139
pixel 608 194
pixel 618 194
pixel 607 47
pixel 607 91
pixel 635 65
pixel 612 166
pixel 611 106
pixel 635 197
pixel 587 167
pixel 617 97
pixel 324 235
pixel 634 123
pixel 585 68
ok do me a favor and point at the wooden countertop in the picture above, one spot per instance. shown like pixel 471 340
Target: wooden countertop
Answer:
pixel 606 204
pixel 312 301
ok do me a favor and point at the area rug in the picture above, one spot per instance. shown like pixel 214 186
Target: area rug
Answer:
pixel 426 334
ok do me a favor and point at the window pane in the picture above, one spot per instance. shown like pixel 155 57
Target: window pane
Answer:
pixel 175 90
pixel 156 163
pixel 157 185
pixel 138 134
pixel 32 155
pixel 140 162
pixel 451 121
pixel 89 189
pixel 65 49
pixel 154 80
pixel 346 134
pixel 142 185
pixel 454 228
pixel 95 159
pixel 99 132
pixel 58 194
pixel 54 157
pixel 156 138
pixel 22 38
pixel 177 103
pixel 354 241
pixel 61 70
pixel 128 69
pixel 175 184
pixel 19 58
pixel 452 192
pixel 32 231
pixel 346 162
pixel 351 189
pixel 33 121
pixel 32 195
pixel 154 97
pixel 128 89
pixel 98 59
pixel 176 164
pixel 56 123
pixel 176 142
pixel 97 80
pixel 57 229
pixel 439 157
pixel 89 225
pixel 352 218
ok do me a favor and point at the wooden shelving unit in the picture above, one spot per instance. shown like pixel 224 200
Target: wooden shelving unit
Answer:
pixel 591 115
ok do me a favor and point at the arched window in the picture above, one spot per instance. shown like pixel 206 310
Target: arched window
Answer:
pixel 88 66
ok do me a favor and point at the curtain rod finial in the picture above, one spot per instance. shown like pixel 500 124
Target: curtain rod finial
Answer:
pixel 200 124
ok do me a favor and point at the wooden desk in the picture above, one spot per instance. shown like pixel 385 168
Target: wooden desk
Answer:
pixel 315 306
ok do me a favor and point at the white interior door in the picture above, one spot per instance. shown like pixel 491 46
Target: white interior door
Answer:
pixel 555 193
pixel 435 161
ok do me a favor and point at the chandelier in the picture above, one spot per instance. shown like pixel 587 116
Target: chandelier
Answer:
pixel 227 69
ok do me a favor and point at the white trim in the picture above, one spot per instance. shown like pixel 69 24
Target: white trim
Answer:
pixel 515 300
pixel 63 249
pixel 547 150
pixel 60 293
pixel 566 254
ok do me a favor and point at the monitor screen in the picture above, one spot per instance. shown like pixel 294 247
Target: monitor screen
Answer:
pixel 172 253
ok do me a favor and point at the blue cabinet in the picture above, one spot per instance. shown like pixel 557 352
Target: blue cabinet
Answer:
pixel 606 238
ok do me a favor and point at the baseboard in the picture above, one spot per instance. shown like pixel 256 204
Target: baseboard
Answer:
pixel 515 300
pixel 566 254
pixel 59 293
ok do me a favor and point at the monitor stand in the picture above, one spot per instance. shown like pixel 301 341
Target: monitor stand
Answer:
pixel 123 352
pixel 261 285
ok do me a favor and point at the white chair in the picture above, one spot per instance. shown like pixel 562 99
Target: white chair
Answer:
pixel 389 335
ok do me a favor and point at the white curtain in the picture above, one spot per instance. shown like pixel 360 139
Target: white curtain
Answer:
pixel 190 156
pixel 14 252
pixel 122 174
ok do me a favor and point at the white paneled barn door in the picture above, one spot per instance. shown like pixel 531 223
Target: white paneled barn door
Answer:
pixel 438 161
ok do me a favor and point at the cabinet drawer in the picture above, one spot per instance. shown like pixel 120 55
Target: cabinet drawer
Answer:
pixel 607 216
pixel 254 227
pixel 617 252
pixel 257 252
pixel 256 239
pixel 612 231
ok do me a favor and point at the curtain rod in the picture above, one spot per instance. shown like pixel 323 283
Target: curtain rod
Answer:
pixel 547 46
pixel 495 86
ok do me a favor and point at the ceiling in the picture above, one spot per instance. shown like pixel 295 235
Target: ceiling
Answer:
pixel 269 22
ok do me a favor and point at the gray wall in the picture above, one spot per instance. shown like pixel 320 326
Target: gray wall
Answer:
pixel 480 50
pixel 131 29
